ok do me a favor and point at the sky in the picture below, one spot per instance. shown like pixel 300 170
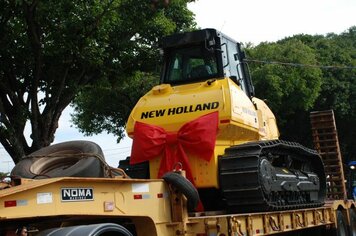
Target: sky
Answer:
pixel 260 20
pixel 253 21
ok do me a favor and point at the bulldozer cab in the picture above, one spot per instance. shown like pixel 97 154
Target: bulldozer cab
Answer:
pixel 203 55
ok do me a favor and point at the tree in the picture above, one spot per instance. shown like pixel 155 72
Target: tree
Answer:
pixel 107 105
pixel 333 87
pixel 339 87
pixel 50 50
pixel 3 175
pixel 288 89
pixel 338 91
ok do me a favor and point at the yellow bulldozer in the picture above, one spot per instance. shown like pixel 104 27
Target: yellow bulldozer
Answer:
pixel 204 117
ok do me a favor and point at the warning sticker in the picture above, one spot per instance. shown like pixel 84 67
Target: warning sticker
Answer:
pixel 140 188
pixel 44 198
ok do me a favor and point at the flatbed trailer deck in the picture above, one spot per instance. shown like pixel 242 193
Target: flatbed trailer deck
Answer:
pixel 145 207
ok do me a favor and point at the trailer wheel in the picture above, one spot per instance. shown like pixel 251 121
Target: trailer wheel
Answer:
pixel 62 160
pixel 341 229
pixel 104 229
pixel 185 187
pixel 352 222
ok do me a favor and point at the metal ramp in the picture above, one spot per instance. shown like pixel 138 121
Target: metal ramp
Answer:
pixel 327 144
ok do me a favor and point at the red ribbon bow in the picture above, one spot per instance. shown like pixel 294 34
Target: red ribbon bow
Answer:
pixel 196 137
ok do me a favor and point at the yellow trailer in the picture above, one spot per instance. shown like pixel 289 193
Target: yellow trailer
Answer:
pixel 146 207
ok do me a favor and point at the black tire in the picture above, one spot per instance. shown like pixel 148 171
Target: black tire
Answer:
pixel 104 229
pixel 48 166
pixel 341 229
pixel 352 228
pixel 185 187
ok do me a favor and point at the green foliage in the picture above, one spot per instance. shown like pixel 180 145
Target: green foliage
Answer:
pixel 286 88
pixel 293 92
pixel 103 107
pixel 3 174
pixel 50 50
pixel 339 85
pixel 131 69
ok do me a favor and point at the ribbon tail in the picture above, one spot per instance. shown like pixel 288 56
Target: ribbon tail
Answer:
pixel 185 163
pixel 167 162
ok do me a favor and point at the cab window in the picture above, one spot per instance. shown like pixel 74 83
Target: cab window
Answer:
pixel 191 64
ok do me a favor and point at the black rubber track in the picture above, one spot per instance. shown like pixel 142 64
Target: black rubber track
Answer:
pixel 185 187
pixel 48 162
pixel 240 179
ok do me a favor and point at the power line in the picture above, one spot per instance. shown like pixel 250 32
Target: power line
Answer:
pixel 114 149
pixel 301 65
pixel 118 153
